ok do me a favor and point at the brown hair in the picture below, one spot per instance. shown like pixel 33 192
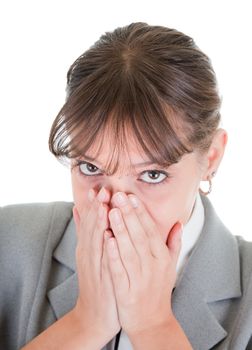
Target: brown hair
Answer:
pixel 151 79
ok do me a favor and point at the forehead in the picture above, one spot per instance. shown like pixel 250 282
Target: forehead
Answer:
pixel 119 146
pixel 130 154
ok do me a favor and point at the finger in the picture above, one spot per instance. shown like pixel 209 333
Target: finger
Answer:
pixel 134 227
pixel 92 206
pixel 76 217
pixel 90 236
pixel 102 224
pixel 119 275
pixel 174 241
pixel 97 238
pixel 106 278
pixel 156 243
pixel 104 195
pixel 88 217
pixel 144 216
pixel 128 254
pixel 91 194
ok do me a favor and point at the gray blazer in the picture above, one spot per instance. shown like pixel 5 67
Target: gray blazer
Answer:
pixel 38 279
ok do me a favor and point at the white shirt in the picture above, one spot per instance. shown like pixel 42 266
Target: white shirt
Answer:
pixel 191 233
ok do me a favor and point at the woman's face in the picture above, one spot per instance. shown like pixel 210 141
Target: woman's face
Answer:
pixel 168 198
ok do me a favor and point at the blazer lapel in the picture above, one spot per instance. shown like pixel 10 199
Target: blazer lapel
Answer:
pixel 211 274
pixel 63 297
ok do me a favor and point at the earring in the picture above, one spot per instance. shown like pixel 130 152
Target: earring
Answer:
pixel 210 185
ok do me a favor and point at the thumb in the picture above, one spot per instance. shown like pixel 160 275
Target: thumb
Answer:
pixel 174 240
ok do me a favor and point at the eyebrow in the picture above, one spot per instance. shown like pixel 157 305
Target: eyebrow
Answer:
pixel 134 165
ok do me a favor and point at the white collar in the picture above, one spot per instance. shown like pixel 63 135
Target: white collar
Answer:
pixel 191 233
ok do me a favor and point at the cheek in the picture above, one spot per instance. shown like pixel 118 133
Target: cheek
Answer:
pixel 164 216
pixel 163 212
pixel 167 210
pixel 80 192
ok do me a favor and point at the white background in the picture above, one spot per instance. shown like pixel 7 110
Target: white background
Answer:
pixel 40 40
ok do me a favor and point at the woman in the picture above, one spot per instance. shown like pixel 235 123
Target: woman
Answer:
pixel 131 264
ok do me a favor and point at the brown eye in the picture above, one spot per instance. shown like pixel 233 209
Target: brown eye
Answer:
pixel 88 169
pixel 154 175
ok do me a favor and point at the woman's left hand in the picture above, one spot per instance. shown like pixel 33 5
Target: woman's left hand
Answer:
pixel 142 265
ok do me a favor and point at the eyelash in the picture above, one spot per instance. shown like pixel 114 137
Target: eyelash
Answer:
pixel 168 176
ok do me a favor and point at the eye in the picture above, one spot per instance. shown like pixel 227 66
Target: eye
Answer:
pixel 148 177
pixel 88 169
pixel 156 176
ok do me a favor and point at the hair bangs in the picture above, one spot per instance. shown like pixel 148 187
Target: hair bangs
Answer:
pixel 138 115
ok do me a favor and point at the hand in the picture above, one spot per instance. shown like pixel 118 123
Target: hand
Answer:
pixel 143 267
pixel 96 304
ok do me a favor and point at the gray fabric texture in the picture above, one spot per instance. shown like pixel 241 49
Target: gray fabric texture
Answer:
pixel 38 279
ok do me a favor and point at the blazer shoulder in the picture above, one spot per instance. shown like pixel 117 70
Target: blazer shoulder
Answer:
pixel 25 228
pixel 29 234
pixel 245 252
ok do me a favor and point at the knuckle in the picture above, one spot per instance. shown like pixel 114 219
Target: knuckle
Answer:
pixel 127 210
pixel 120 229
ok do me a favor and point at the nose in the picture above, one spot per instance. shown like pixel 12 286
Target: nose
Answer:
pixel 114 184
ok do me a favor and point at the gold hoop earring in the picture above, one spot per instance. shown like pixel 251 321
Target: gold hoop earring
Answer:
pixel 210 185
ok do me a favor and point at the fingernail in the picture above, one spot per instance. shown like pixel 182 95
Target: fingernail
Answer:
pixel 120 199
pixel 102 195
pixel 133 200
pixel 91 195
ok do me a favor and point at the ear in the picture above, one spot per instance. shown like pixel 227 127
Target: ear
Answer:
pixel 215 153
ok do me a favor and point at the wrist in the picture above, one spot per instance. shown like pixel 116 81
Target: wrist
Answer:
pixel 88 330
pixel 168 335
pixel 152 329
pixel 68 333
pixel 83 326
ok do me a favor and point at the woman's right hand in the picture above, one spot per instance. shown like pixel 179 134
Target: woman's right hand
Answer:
pixel 96 304
pixel 93 322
